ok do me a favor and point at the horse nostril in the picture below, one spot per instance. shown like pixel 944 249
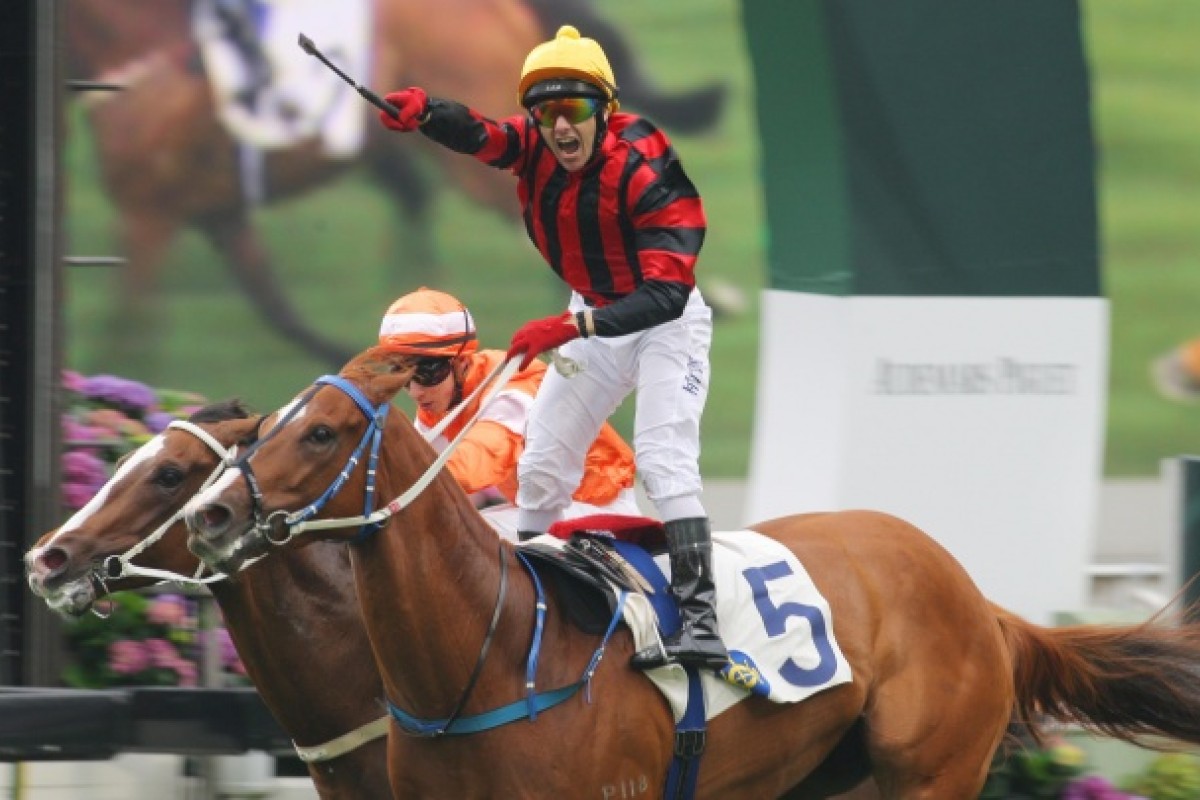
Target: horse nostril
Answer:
pixel 212 518
pixel 52 561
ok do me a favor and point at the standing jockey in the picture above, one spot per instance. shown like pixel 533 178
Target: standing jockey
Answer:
pixel 609 207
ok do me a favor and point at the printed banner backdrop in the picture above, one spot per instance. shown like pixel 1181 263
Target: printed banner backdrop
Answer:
pixel 934 343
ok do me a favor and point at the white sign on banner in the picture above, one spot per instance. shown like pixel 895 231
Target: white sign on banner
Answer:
pixel 978 419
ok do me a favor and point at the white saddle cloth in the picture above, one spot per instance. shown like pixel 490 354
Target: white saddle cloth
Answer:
pixel 770 614
pixel 304 98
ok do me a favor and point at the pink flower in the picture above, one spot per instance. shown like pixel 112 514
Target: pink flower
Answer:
pixel 74 432
pixel 83 466
pixel 72 381
pixel 76 495
pixel 188 675
pixel 168 609
pixel 126 657
pixel 162 653
pixel 108 419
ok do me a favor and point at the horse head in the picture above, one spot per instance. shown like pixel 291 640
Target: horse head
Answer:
pixel 316 458
pixel 90 554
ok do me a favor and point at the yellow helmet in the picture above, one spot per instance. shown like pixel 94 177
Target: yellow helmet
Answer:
pixel 567 66
pixel 428 323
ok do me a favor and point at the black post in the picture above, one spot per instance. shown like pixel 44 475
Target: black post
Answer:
pixel 30 269
pixel 1189 526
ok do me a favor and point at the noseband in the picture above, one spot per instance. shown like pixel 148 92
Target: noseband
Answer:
pixel 376 416
pixel 122 566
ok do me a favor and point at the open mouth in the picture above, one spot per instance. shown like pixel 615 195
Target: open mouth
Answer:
pixel 568 145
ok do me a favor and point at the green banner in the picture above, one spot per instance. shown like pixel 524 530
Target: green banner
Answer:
pixel 926 148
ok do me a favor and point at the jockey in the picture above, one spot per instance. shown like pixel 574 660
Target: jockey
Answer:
pixel 440 329
pixel 609 207
pixel 239 19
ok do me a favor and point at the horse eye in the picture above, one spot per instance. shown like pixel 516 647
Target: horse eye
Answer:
pixel 169 477
pixel 322 434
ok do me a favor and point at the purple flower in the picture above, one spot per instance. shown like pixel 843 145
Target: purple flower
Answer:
pixel 121 392
pixel 168 609
pixel 127 657
pixel 157 421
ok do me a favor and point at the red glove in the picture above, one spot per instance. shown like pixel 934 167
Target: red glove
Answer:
pixel 411 103
pixel 542 335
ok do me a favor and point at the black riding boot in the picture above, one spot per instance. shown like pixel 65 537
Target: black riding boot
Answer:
pixel 697 642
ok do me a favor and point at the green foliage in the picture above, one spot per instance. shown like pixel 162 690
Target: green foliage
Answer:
pixel 1031 773
pixel 1172 776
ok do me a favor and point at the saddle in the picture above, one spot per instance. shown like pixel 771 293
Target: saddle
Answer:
pixel 586 566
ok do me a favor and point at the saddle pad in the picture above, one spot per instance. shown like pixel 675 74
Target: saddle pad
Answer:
pixel 770 615
pixel 771 618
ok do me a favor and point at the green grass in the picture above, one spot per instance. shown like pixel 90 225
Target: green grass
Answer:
pixel 344 255
pixel 1146 109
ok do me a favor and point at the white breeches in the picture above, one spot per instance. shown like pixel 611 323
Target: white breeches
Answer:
pixel 667 366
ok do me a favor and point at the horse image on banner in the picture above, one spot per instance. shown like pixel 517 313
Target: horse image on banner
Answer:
pixel 300 99
pixel 169 163
pixel 937 671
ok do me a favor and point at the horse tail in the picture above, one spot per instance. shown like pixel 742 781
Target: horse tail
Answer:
pixel 1122 681
pixel 691 111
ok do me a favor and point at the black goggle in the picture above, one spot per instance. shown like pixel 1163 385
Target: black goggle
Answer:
pixel 432 370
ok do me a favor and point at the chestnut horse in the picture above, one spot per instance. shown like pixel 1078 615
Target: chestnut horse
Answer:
pixel 167 163
pixel 281 620
pixel 938 671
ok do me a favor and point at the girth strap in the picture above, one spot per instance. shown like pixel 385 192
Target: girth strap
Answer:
pixel 533 703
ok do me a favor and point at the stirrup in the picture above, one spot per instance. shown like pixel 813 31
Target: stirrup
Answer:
pixel 650 657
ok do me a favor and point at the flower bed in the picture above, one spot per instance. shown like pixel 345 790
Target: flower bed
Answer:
pixel 1060 771
pixel 146 641
pixel 106 417
pixel 136 640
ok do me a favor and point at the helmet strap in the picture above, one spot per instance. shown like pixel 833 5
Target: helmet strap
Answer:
pixel 457 397
pixel 601 129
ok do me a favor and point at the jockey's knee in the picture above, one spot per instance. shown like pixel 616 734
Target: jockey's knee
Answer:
pixel 542 490
pixel 670 485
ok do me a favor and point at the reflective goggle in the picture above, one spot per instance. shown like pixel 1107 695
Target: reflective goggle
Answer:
pixel 575 109
pixel 431 371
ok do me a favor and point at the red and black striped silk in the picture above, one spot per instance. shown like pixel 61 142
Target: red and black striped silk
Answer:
pixel 630 217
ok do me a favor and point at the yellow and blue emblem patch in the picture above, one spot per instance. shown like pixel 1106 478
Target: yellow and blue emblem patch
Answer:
pixel 742 672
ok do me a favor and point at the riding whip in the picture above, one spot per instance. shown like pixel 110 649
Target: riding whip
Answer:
pixel 306 44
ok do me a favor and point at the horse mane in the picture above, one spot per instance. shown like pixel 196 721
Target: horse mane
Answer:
pixel 221 411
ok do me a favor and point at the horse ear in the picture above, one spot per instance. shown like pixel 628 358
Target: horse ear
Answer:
pixel 390 372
